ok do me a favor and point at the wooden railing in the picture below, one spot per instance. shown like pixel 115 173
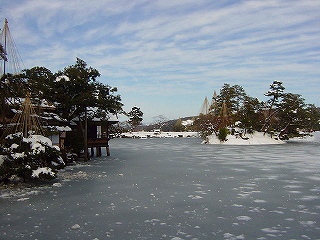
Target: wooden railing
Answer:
pixel 98 142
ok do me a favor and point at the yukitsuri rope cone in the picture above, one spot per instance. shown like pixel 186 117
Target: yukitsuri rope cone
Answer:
pixel 26 120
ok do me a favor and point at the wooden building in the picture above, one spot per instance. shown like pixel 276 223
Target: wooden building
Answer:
pixel 24 116
pixel 98 133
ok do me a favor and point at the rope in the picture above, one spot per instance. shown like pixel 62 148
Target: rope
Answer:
pixel 12 65
pixel 25 120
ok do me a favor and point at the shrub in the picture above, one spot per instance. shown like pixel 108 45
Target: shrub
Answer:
pixel 222 135
pixel 23 157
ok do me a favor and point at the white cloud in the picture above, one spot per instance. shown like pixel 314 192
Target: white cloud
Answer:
pixel 144 46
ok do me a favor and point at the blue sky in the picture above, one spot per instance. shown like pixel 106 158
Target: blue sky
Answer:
pixel 166 56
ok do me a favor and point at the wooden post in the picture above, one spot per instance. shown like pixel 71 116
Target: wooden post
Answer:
pixel 98 151
pixel 92 151
pixel 86 136
pixel 108 149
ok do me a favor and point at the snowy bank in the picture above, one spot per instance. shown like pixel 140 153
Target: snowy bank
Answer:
pixel 257 138
pixel 312 137
pixel 159 134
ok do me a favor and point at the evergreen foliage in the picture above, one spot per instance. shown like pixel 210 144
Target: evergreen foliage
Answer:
pixel 29 158
pixel 178 127
pixel 3 53
pixel 135 116
pixel 207 124
pixel 11 86
pixel 284 113
pixel 223 133
pixel 232 96
pixel 73 91
pixel 275 94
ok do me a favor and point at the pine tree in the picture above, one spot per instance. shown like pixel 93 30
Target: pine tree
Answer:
pixel 275 94
pixel 135 117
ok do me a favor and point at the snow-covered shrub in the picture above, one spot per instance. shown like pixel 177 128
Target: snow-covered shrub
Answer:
pixel 43 173
pixel 29 158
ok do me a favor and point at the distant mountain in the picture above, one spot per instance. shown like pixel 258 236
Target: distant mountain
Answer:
pixel 167 126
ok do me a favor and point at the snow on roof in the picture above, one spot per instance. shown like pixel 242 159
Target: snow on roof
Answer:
pixel 45 104
pixel 18 101
pixel 60 128
pixel 110 118
pixel 52 116
pixel 15 110
pixel 14 101
pixel 57 117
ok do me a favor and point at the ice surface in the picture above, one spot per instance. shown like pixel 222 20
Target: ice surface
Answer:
pixel 174 189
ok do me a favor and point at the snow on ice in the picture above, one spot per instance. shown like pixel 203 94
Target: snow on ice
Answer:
pixel 174 189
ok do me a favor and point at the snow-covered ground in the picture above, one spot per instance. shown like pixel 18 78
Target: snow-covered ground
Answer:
pixel 256 138
pixel 259 138
pixel 159 134
pixel 313 137
pixel 174 188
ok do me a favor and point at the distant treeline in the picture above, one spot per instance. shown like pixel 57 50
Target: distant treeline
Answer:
pixel 285 114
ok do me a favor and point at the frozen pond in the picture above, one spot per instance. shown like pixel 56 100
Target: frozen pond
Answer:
pixel 175 189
